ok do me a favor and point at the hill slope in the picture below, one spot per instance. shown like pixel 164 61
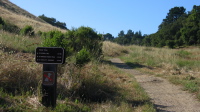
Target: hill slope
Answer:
pixel 20 17
pixel 15 9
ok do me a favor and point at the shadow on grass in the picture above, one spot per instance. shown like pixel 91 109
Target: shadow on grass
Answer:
pixel 90 91
pixel 4 103
pixel 127 65
pixel 138 103
pixel 135 65
pixel 97 92
pixel 161 108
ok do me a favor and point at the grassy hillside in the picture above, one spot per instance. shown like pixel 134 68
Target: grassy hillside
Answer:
pixel 96 86
pixel 20 17
pixel 6 4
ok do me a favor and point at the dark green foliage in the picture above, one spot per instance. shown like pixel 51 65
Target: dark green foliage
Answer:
pixel 129 38
pixel 27 31
pixel 86 37
pixel 2 21
pixel 53 22
pixel 174 14
pixel 57 39
pixel 11 28
pixel 177 29
pixel 170 43
pixel 108 37
pixel 83 40
pixel 8 27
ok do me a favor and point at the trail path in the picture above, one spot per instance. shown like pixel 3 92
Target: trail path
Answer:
pixel 165 96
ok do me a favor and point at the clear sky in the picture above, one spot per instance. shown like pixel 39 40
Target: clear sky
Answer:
pixel 107 16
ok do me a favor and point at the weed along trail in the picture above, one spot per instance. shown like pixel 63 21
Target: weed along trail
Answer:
pixel 165 96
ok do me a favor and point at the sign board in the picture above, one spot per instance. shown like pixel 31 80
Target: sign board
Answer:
pixel 49 55
pixel 48 78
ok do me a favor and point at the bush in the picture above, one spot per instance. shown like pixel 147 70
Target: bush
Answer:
pixel 27 31
pixel 57 39
pixel 88 38
pixel 83 39
pixel 1 21
pixel 8 27
pixel 39 33
pixel 11 28
pixel 82 57
pixel 170 44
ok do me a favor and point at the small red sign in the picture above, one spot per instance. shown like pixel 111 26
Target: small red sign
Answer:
pixel 48 78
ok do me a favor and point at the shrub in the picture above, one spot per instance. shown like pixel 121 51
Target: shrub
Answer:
pixel 83 38
pixel 82 57
pixel 39 33
pixel 57 39
pixel 170 44
pixel 88 38
pixel 27 31
pixel 1 21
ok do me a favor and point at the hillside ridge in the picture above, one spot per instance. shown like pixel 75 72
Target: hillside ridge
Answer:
pixel 6 4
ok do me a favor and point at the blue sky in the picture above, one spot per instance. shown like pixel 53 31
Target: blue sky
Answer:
pixel 107 16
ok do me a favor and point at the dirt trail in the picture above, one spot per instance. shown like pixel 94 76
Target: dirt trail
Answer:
pixel 165 96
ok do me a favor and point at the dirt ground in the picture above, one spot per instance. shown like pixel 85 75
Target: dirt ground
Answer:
pixel 165 96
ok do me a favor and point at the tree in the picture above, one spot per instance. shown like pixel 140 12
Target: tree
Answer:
pixel 170 44
pixel 53 22
pixel 108 36
pixel 174 14
pixel 130 34
pixel 191 27
pixel 121 34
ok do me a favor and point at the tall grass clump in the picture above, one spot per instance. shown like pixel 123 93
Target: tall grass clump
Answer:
pixel 18 75
pixel 113 49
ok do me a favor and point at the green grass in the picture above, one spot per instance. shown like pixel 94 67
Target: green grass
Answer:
pixel 174 64
pixel 183 53
pixel 189 64
pixel 16 43
pixel 189 83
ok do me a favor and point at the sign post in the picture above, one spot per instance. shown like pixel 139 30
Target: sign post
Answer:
pixel 49 57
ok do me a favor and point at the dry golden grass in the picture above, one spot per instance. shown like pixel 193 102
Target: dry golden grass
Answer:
pixel 21 21
pixel 19 71
pixel 113 49
pixel 171 61
pixel 6 4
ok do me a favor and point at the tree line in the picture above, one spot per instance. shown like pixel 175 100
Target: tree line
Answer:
pixel 179 28
pixel 53 22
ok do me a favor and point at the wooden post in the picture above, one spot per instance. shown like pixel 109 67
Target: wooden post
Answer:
pixel 49 88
